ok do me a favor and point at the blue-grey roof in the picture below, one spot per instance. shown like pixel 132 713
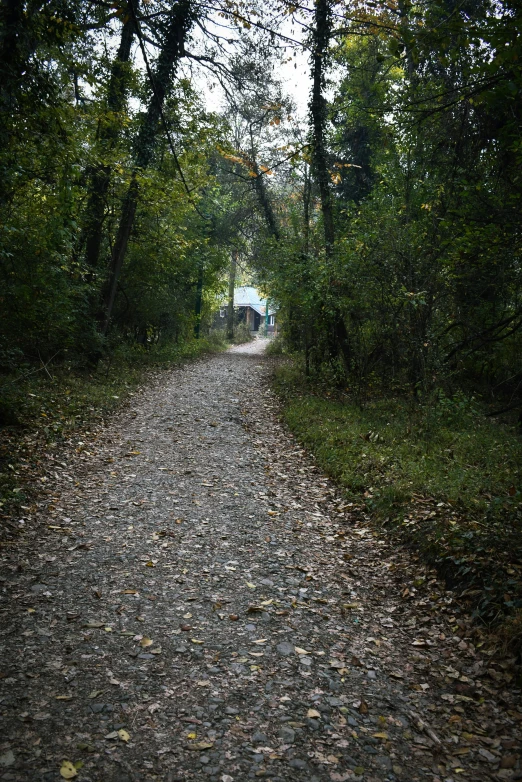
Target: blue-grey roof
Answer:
pixel 246 296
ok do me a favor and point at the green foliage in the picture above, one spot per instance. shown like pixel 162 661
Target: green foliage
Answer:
pixel 275 347
pixel 422 290
pixel 438 475
pixel 242 334
pixel 57 145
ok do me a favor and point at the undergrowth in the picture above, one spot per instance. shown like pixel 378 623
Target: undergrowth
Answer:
pixel 439 475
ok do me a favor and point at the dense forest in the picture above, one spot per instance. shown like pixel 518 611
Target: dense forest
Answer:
pixel 387 225
pixel 149 149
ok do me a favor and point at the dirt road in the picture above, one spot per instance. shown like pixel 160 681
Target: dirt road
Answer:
pixel 196 601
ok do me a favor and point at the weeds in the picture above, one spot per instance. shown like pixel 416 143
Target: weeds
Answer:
pixel 438 474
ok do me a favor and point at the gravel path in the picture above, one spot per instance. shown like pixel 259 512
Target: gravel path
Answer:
pixel 197 602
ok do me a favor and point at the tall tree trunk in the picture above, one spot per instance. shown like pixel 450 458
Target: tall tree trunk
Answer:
pixel 182 16
pixel 199 301
pixel 318 111
pixel 266 206
pixel 321 39
pixel 262 193
pixel 109 131
pixel 307 195
pixel 231 288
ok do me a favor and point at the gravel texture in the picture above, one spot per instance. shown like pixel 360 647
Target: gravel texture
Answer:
pixel 195 601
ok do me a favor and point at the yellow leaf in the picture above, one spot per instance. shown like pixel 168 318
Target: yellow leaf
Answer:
pixel 146 642
pixel 380 736
pixel 312 713
pixel 192 735
pixel 250 585
pixel 124 736
pixel 67 770
pixel 195 641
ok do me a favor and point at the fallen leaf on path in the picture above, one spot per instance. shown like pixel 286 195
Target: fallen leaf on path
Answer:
pixel 146 642
pixel 201 745
pixel 67 770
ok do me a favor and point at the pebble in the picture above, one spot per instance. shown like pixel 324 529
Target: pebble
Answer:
pixel 285 648
pixel 287 734
pixel 298 763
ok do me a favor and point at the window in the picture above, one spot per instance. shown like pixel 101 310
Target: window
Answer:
pixel 272 320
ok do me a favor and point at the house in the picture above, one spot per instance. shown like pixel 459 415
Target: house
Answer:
pixel 252 309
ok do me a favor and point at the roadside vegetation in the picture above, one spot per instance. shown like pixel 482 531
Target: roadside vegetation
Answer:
pixel 439 476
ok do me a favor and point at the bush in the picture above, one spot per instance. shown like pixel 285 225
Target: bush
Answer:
pixel 242 334
pixel 275 347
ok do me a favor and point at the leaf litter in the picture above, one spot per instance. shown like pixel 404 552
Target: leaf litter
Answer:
pixel 354 663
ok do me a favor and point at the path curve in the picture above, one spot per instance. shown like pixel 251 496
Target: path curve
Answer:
pixel 199 603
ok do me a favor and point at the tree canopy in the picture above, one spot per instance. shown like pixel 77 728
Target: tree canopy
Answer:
pixel 386 224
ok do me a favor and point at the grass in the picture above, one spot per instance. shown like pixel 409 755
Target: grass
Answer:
pixel 41 408
pixel 440 476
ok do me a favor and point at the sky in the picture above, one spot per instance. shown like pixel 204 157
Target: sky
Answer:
pixel 294 72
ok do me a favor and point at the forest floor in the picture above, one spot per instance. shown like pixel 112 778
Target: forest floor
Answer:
pixel 194 600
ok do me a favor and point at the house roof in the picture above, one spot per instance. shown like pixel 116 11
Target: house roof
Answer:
pixel 246 296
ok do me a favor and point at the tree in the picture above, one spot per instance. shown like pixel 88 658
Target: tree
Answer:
pixel 181 18
pixel 109 130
